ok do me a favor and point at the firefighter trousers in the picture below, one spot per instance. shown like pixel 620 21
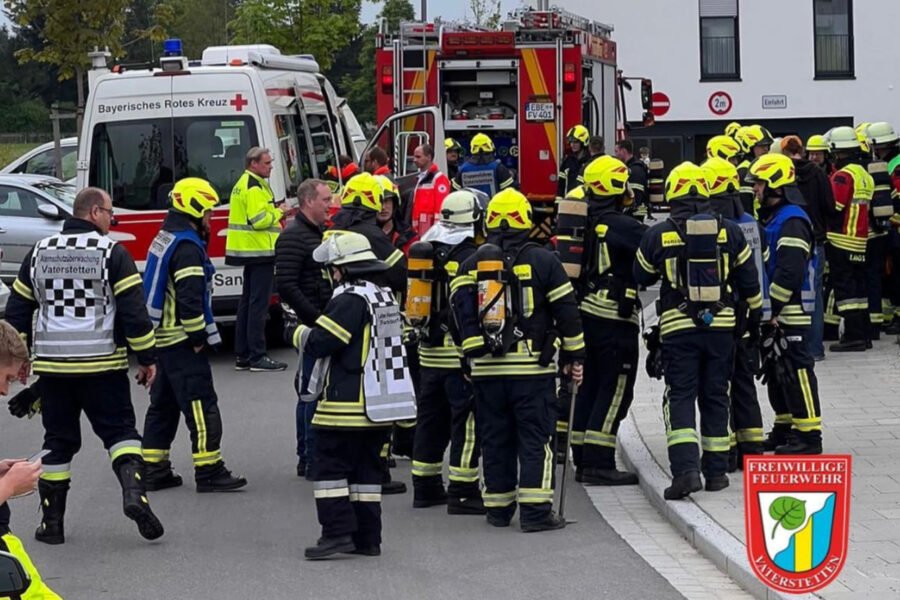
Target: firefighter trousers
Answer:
pixel 796 401
pixel 105 398
pixel 876 254
pixel 184 385
pixel 347 483
pixel 746 418
pixel 445 414
pixel 697 367
pixel 848 280
pixel 606 394
pixel 514 417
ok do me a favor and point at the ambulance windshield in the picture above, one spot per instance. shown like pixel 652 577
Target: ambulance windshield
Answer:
pixel 139 161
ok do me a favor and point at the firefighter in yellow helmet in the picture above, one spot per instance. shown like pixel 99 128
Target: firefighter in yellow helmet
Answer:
pixel 482 170
pixel 454 153
pixel 177 285
pixel 706 267
pixel 574 161
pixel 862 137
pixel 755 140
pixel 732 129
pixel 515 305
pixel 789 301
pixel 609 306
pixel 886 149
pixel 817 151
pixel 724 147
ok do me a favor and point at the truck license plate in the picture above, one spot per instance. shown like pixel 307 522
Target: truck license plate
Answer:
pixel 539 111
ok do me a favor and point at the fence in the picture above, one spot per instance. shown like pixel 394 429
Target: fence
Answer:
pixel 25 138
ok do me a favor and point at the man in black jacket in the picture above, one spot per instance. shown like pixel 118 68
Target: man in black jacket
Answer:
pixel 304 288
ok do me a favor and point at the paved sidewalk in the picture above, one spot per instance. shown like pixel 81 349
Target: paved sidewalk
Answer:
pixel 860 396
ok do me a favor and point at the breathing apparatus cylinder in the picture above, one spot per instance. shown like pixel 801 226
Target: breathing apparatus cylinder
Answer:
pixel 570 225
pixel 420 283
pixel 704 281
pixel 656 181
pixel 492 290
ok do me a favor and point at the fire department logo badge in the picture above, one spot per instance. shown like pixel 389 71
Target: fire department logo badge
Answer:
pixel 797 514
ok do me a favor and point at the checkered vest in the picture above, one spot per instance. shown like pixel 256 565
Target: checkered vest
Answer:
pixel 387 385
pixel 77 308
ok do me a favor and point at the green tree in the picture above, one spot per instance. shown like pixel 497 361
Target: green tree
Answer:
pixel 200 24
pixel 317 27
pixel 486 13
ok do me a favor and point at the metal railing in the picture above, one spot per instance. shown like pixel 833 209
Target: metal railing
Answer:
pixel 718 57
pixel 833 54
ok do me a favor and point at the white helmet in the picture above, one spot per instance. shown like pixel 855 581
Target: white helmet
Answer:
pixel 463 207
pixel 348 248
pixel 880 133
pixel 843 138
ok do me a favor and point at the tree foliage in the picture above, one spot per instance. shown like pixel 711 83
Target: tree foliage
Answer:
pixel 486 13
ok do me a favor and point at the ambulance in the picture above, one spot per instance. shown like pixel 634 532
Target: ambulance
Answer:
pixel 146 128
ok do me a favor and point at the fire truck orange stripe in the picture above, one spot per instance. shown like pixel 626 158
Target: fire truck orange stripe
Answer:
pixel 536 77
pixel 418 98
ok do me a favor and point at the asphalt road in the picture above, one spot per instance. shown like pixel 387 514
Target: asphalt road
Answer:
pixel 250 544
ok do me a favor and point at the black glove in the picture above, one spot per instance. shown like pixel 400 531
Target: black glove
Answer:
pixel 26 403
pixel 653 364
pixel 754 318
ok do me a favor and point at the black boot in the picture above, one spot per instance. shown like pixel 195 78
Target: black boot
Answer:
pixel 856 325
pixel 801 446
pixel 849 346
pixel 683 486
pixel 326 547
pixel 608 477
pixel 549 523
pixel 367 550
pixel 893 328
pixel 777 437
pixel 53 506
pixel 470 505
pixel 130 471
pixel 160 476
pixel 393 487
pixel 424 497
pixel 716 483
pixel 217 479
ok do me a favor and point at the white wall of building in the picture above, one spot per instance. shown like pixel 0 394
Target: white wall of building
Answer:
pixel 660 39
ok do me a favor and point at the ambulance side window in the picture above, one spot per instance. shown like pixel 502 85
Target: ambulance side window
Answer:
pixel 296 165
pixel 323 153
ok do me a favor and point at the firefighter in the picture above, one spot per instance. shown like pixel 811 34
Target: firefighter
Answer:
pixel 609 308
pixel 446 406
pixel 697 321
pixel 361 370
pixel 482 171
pixel 98 305
pixel 886 147
pixel 817 151
pixel 847 236
pixel 745 416
pixel 511 359
pixel 724 147
pixel 755 140
pixel 574 161
pixel 454 152
pixel 336 178
pixel 731 130
pixel 637 179
pixel 178 288
pixel 789 304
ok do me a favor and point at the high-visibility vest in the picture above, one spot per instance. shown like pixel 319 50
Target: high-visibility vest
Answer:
pixel 254 222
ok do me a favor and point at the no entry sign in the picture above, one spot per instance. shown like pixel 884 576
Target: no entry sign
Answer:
pixel 720 103
pixel 659 104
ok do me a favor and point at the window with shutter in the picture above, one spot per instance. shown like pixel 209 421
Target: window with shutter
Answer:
pixel 719 40
pixel 833 34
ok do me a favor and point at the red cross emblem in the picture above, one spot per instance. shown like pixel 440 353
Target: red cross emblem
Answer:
pixel 238 102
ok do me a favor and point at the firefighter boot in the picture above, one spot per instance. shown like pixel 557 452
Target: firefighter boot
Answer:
pixel 683 486
pixel 390 487
pixel 160 476
pixel 427 491
pixel 130 471
pixel 549 523
pixel 591 475
pixel 466 505
pixel 716 483
pixel 856 325
pixel 53 506
pixel 777 437
pixel 216 478
pixel 802 443
pixel 328 546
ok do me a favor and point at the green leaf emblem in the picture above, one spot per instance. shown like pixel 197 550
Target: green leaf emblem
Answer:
pixel 788 512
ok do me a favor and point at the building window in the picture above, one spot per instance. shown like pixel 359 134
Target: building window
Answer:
pixel 719 40
pixel 833 24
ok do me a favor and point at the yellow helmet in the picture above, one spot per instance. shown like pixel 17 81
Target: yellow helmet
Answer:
pixel 731 129
pixel 688 181
pixel 844 138
pixel 606 176
pixel 721 176
pixel 817 143
pixel 509 209
pixel 389 189
pixel 363 190
pixel 777 170
pixel 753 135
pixel 193 196
pixel 481 144
pixel 579 133
pixel 451 145
pixel 723 146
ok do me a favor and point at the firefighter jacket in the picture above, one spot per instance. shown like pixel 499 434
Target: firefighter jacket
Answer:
pixel 790 267
pixel 484 173
pixel 816 189
pixel 362 221
pixel 607 289
pixel 432 187
pixel 178 282
pixel 570 169
pixel 543 312
pixel 894 172
pixel 438 347
pixel 254 222
pixel 87 291
pixel 638 177
pixel 849 228
pixel 663 254
pixel 301 282
pixel 745 192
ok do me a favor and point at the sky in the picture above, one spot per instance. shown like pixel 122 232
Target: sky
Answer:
pixel 448 10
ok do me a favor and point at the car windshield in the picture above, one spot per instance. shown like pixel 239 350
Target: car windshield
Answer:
pixel 63 192
pixel 139 161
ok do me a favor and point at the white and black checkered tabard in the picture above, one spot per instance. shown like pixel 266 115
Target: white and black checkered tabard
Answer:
pixel 395 360
pixel 81 296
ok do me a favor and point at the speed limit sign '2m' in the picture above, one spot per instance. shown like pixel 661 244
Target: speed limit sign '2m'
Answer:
pixel 720 103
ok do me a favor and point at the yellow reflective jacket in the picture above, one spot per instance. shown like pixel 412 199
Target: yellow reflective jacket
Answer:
pixel 254 222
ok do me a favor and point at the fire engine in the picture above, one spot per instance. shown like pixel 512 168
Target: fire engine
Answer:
pixel 525 85
pixel 147 127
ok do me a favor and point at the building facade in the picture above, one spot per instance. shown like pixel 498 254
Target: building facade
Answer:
pixel 794 66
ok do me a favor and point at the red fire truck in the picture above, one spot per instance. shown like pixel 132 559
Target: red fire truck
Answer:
pixel 525 85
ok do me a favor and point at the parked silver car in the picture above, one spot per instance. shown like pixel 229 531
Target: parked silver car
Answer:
pixel 40 161
pixel 32 207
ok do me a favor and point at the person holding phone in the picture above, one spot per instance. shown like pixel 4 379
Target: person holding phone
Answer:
pixel 18 477
pixel 90 308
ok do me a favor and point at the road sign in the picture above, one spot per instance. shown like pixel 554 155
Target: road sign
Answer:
pixel 720 103
pixel 659 104
pixel 770 102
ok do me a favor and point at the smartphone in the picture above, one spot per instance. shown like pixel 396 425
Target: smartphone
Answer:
pixel 38 455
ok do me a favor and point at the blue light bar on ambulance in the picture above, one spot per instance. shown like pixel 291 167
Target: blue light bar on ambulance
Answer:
pixel 172 47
